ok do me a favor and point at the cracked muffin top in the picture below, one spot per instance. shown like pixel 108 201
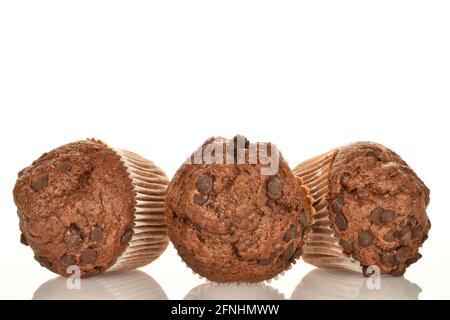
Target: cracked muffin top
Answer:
pixel 378 206
pixel 231 222
pixel 76 206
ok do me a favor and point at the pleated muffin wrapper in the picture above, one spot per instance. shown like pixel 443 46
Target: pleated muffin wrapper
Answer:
pixel 150 237
pixel 322 248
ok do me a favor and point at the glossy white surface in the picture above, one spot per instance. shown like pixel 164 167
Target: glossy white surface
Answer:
pixel 160 77
pixel 168 277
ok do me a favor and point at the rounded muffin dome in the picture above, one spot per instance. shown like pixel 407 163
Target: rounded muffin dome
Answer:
pixel 378 206
pixel 77 205
pixel 231 223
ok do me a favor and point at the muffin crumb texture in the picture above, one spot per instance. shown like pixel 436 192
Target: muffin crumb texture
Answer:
pixel 76 206
pixel 378 207
pixel 230 223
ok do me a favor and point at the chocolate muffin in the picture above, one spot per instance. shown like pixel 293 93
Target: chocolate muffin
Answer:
pixel 90 206
pixel 233 220
pixel 370 209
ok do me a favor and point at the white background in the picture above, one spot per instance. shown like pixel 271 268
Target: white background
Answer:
pixel 159 77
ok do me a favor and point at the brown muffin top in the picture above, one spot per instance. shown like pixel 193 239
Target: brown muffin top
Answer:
pixel 75 206
pixel 378 207
pixel 230 223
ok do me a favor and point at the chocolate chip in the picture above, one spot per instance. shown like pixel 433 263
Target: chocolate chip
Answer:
pixel 337 204
pixel 266 262
pixel 64 166
pixel 288 254
pixel 93 272
pixel 417 232
pixel 424 238
pixel 23 240
pixel 372 153
pixel 365 271
pixel 410 261
pixel 411 221
pixel 375 216
pixel 365 238
pixel 402 254
pixel 43 155
pixel 398 272
pixel 274 188
pixel 84 178
pixel 200 199
pixel 388 258
pixel 348 246
pixel 406 236
pixel 73 236
pixel 304 218
pixel 379 216
pixel 88 256
pixel 389 236
pixel 20 173
pixel 174 215
pixel 298 253
pixel 200 236
pixel 96 233
pixel 305 231
pixel 40 184
pixel 44 262
pixel 343 177
pixel 204 183
pixel 290 234
pixel 387 216
pixel 67 260
pixel 405 233
pixel 128 234
pixel 340 221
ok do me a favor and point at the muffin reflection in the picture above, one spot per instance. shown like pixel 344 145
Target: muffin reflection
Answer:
pixel 328 284
pixel 233 291
pixel 128 285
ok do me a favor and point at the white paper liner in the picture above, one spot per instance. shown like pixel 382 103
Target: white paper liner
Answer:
pixel 322 247
pixel 150 237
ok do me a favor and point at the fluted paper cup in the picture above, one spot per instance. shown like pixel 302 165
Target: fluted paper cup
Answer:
pixel 322 247
pixel 149 238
